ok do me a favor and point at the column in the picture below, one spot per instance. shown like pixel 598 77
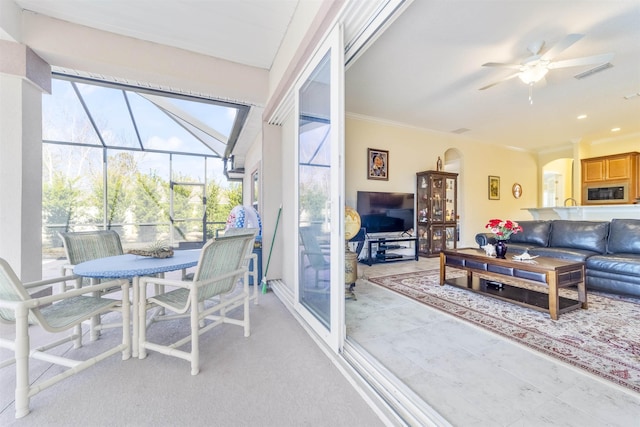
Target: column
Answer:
pixel 24 76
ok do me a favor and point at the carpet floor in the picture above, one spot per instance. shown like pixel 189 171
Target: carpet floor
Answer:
pixel 603 340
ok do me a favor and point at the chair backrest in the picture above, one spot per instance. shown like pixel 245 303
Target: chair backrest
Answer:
pixel 236 231
pixel 241 232
pixel 311 247
pixel 87 245
pixel 11 289
pixel 219 257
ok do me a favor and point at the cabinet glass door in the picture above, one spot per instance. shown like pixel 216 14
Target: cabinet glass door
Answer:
pixel 437 199
pixel 450 200
pixel 437 238
pixel 450 237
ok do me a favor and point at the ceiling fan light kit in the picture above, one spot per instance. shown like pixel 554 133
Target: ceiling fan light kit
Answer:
pixel 531 75
pixel 535 67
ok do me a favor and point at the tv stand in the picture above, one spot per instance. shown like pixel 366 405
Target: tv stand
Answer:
pixel 377 249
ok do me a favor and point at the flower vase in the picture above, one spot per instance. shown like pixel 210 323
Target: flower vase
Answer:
pixel 501 249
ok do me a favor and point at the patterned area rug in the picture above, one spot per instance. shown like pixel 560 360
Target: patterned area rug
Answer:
pixel 603 340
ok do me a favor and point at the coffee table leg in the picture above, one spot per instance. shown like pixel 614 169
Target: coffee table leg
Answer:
pixel 582 291
pixel 554 297
pixel 442 268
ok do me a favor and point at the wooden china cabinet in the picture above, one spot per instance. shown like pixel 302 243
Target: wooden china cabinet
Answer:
pixel 436 212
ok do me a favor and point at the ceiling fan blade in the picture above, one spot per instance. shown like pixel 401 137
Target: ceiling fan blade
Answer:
pixel 502 65
pixel 587 60
pixel 509 77
pixel 561 46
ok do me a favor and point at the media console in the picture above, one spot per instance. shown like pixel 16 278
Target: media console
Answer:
pixel 377 249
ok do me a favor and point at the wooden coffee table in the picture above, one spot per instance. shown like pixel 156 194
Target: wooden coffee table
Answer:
pixel 507 279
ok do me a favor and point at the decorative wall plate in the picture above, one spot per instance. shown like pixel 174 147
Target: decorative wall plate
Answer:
pixel 516 190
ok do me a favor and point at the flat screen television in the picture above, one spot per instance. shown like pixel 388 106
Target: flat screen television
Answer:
pixel 385 212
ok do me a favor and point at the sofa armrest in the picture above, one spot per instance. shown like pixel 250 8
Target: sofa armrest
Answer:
pixel 483 239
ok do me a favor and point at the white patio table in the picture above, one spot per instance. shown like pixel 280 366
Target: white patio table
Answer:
pixel 131 266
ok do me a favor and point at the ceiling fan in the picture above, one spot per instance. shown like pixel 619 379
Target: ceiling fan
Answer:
pixel 535 67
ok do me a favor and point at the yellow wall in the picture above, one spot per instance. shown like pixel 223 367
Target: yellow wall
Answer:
pixel 413 150
pixel 623 145
pixel 562 166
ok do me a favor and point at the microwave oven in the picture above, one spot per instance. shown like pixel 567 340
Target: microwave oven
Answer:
pixel 612 194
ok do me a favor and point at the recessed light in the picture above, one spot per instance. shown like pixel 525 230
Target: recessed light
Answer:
pixel 582 116
pixel 615 129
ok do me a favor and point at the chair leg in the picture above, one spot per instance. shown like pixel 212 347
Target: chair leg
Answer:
pixel 201 308
pixel 77 332
pixel 126 333
pixel 195 338
pixel 140 336
pixel 22 362
pixel 95 320
pixel 159 289
pixel 247 298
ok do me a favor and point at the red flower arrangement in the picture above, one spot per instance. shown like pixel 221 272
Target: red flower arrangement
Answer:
pixel 503 229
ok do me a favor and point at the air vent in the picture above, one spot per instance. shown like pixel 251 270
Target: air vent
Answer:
pixel 460 130
pixel 593 71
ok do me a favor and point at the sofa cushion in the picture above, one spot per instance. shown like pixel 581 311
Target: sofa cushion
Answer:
pixel 533 233
pixel 586 235
pixel 624 236
pixel 626 265
pixel 569 254
pixel 609 282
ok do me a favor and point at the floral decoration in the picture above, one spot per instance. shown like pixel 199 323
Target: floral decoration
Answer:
pixel 503 229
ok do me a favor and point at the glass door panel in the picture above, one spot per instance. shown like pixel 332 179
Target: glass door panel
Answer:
pixel 320 215
pixel 437 201
pixel 450 200
pixel 450 237
pixel 314 190
pixel 437 238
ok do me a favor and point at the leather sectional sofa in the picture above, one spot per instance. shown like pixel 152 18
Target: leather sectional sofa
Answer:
pixel 610 250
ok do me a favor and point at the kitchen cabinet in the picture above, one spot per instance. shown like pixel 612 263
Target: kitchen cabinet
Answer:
pixel 617 174
pixel 613 167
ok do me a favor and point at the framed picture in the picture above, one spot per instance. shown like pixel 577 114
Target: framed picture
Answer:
pixel 516 190
pixel 494 187
pixel 377 164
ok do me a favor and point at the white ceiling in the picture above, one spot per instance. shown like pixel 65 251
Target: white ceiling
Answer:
pixel 425 70
pixel 244 31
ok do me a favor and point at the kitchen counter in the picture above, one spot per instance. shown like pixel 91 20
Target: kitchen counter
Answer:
pixel 588 213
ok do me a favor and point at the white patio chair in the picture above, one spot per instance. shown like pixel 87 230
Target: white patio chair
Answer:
pixel 84 246
pixel 315 254
pixel 250 257
pixel 56 313
pixel 221 266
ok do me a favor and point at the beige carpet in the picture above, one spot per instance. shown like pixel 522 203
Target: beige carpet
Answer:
pixel 276 377
pixel 603 340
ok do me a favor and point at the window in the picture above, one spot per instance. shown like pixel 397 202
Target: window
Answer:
pixel 131 159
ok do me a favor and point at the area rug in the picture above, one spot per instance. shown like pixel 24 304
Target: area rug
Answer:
pixel 603 340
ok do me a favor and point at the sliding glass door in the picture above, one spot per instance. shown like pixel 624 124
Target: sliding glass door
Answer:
pixel 320 144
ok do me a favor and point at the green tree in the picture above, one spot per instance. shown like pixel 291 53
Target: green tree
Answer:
pixel 312 201
pixel 150 205
pixel 59 198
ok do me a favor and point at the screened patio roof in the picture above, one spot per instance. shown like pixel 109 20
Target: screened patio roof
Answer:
pixel 111 115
